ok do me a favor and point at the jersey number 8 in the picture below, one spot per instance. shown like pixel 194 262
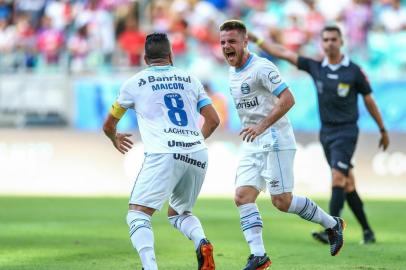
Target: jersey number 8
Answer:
pixel 176 114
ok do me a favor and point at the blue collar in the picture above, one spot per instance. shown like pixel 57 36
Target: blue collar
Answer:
pixel 246 63
pixel 157 68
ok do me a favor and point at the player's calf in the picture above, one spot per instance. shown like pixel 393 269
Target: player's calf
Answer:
pixel 142 237
pixel 190 226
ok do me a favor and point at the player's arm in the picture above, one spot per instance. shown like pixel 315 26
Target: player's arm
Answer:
pixel 373 110
pixel 363 87
pixel 282 106
pixel 211 120
pixel 275 50
pixel 120 140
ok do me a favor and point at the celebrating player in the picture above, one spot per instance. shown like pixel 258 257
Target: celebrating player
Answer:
pixel 167 102
pixel 262 99
pixel 338 81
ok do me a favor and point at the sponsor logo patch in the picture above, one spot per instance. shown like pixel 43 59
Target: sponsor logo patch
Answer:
pixel 274 77
pixel 141 82
pixel 343 89
pixel 187 159
pixel 181 131
pixel 247 103
pixel 174 143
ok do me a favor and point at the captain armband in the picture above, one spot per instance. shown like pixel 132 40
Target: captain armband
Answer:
pixel 117 111
pixel 259 42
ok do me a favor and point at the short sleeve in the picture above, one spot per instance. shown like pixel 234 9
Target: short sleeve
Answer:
pixel 202 98
pixel 270 79
pixel 362 83
pixel 125 99
pixel 304 63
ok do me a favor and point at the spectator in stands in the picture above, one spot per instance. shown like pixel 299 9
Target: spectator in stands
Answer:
pixel 25 42
pixel 79 46
pixel 393 17
pixel 49 42
pixel 294 36
pixel 60 12
pixel 178 35
pixel 5 10
pixel 160 15
pixel 192 27
pixel 357 20
pixel 7 37
pixel 313 21
pixel 34 9
pixel 263 23
pixel 7 44
pixel 100 28
pixel 131 41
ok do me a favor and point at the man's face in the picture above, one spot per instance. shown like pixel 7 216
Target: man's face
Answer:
pixel 331 42
pixel 233 44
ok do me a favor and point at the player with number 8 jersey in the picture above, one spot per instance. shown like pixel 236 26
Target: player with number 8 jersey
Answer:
pixel 168 103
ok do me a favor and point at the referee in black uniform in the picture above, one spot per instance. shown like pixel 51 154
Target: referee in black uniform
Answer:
pixel 338 82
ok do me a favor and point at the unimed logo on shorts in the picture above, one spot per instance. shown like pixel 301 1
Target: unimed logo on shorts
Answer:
pixel 174 143
pixel 187 159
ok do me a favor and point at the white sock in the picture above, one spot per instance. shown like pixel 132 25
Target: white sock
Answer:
pixel 309 210
pixel 190 226
pixel 251 225
pixel 142 238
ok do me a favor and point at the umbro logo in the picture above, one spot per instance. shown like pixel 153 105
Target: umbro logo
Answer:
pixel 274 183
pixel 142 82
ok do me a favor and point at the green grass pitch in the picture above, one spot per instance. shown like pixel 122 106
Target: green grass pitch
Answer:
pixel 91 233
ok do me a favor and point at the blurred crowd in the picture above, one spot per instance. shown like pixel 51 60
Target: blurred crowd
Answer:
pixel 92 35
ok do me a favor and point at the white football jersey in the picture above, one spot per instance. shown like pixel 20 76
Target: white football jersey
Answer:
pixel 255 88
pixel 167 102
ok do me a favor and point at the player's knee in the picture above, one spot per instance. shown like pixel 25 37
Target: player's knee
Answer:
pixel 240 199
pixel 281 202
pixel 244 195
pixel 349 187
pixel 338 179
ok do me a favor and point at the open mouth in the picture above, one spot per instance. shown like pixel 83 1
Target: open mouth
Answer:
pixel 230 55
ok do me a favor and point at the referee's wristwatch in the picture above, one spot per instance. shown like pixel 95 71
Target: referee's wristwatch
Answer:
pixel 382 130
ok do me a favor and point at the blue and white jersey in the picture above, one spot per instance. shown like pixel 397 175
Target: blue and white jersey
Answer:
pixel 167 102
pixel 255 88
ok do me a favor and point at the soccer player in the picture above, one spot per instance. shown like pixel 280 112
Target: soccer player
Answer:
pixel 338 81
pixel 262 99
pixel 167 102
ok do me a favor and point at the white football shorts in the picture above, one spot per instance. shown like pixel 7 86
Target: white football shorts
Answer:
pixel 272 170
pixel 177 177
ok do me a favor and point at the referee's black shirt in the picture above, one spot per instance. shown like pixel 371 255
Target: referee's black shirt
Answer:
pixel 337 89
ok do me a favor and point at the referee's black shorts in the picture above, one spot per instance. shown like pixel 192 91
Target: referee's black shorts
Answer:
pixel 339 142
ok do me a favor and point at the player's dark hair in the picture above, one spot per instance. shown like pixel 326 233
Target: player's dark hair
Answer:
pixel 233 25
pixel 157 46
pixel 331 28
